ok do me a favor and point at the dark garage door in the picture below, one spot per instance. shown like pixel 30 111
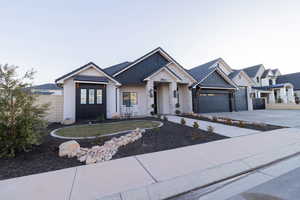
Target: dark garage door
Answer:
pixel 241 99
pixel 90 101
pixel 212 102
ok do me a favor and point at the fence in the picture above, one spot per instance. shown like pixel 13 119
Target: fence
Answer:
pixel 55 112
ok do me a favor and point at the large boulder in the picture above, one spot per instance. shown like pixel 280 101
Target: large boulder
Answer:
pixel 70 149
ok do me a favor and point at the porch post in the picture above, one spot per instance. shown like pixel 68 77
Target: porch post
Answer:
pixel 190 100
pixel 283 95
pixel 150 96
pixel 173 99
pixel 291 96
pixel 272 97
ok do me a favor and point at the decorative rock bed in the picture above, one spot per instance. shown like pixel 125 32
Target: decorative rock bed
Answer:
pixel 98 153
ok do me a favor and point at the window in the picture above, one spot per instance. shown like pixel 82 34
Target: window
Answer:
pixel 99 96
pixel 82 96
pixel 91 96
pixel 129 99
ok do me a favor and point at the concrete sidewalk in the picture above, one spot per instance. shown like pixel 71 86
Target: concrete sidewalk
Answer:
pixel 157 175
pixel 221 129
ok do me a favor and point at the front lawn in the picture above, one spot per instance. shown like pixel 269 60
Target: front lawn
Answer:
pixel 45 157
pixel 105 128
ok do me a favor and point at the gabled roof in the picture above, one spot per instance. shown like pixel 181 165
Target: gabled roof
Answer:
pixel 201 71
pixel 46 86
pixel 293 78
pixel 86 66
pixel 168 70
pixel 266 72
pixel 135 72
pixel 252 71
pixel 233 74
pixel 116 68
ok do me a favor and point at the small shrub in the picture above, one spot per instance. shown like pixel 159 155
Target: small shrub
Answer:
pixel 165 118
pixel 152 113
pixel 215 119
pixel 210 129
pixel 182 121
pixel 101 118
pixel 196 136
pixel 177 112
pixel 297 100
pixel 159 116
pixel 229 121
pixel 241 124
pixel 279 100
pixel 196 125
pixel 177 105
pixel 152 105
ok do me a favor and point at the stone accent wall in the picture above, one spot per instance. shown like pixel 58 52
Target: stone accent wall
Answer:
pixel 55 112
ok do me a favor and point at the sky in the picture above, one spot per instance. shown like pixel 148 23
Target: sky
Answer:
pixel 57 36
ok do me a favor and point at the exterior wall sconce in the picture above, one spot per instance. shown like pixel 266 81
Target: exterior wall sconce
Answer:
pixel 151 93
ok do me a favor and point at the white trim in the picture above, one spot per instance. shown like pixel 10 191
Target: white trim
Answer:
pixel 61 81
pixel 158 71
pixel 91 82
pixel 163 54
pixel 219 88
pixel 250 80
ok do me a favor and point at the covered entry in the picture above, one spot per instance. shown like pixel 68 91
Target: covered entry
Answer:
pixel 90 101
pixel 207 101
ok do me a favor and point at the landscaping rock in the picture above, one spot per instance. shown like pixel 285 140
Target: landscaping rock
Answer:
pixel 98 153
pixel 70 149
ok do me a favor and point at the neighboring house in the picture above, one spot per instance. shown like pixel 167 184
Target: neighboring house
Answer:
pixel 219 88
pixel 294 79
pixel 46 89
pixel 154 83
pixel 266 85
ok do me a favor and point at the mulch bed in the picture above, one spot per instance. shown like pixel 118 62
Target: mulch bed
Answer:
pixel 262 127
pixel 44 158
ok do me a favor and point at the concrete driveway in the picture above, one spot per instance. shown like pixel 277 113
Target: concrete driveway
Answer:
pixel 289 118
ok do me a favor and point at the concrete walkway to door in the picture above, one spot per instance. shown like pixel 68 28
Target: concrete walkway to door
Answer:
pixel 221 129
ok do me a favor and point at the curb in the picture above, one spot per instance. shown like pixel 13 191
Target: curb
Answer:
pixel 52 133
pixel 201 179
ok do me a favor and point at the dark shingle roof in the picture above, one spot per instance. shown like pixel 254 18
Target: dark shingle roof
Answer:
pixel 141 70
pixel 116 68
pixel 201 71
pixel 46 86
pixel 266 72
pixel 293 78
pixel 91 78
pixel 252 71
pixel 234 73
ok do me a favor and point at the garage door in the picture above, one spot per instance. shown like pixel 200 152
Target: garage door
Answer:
pixel 241 99
pixel 213 102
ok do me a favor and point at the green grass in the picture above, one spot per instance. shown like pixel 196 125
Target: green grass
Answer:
pixel 105 128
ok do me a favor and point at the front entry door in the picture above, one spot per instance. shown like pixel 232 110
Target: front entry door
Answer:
pixel 90 101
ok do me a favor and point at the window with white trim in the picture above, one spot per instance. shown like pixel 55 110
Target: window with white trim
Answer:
pixel 91 96
pixel 99 96
pixel 82 96
pixel 129 99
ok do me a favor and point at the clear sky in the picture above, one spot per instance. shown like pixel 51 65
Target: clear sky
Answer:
pixel 57 36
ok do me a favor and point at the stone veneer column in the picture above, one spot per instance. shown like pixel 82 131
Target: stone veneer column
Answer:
pixel 291 96
pixel 272 98
pixel 173 100
pixel 283 95
pixel 150 100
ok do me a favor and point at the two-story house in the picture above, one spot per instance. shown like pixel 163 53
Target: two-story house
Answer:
pixel 266 85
